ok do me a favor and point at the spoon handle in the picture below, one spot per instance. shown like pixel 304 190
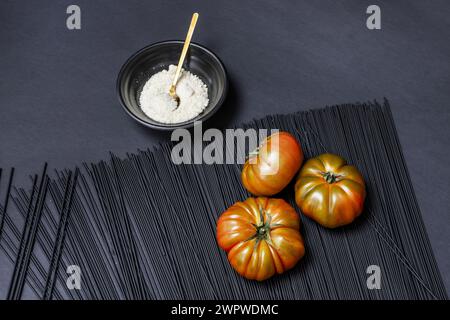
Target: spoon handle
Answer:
pixel 185 47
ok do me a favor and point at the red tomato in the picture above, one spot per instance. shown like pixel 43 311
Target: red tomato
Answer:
pixel 330 191
pixel 261 236
pixel 275 163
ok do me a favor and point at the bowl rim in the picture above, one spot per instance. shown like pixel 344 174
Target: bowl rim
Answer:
pixel 164 126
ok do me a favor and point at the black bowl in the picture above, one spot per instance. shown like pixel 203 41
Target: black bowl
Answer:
pixel 156 57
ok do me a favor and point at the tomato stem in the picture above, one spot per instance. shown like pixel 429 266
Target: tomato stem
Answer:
pixel 263 227
pixel 330 177
pixel 262 230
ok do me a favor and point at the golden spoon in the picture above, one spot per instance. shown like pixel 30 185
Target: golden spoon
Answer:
pixel 187 42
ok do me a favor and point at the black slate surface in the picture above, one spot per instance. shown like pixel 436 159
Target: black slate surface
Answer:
pixel 57 86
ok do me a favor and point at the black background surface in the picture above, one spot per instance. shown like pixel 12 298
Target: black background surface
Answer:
pixel 57 87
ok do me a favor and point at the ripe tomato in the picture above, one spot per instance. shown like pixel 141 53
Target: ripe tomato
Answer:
pixel 261 237
pixel 329 191
pixel 273 165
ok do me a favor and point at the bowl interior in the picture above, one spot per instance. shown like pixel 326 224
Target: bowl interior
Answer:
pixel 150 60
